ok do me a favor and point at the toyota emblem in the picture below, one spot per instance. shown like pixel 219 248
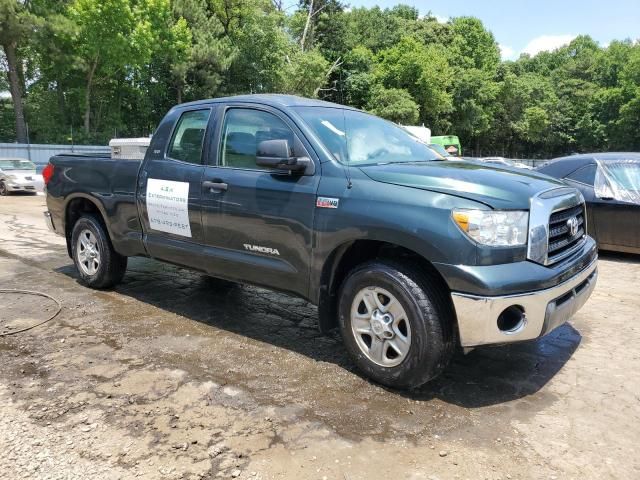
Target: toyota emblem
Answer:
pixel 572 225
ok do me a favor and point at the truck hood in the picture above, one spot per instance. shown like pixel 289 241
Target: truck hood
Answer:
pixel 497 187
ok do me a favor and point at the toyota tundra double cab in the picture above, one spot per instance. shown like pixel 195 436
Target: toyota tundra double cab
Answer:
pixel 409 254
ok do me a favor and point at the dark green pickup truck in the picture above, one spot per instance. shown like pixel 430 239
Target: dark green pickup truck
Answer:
pixel 409 254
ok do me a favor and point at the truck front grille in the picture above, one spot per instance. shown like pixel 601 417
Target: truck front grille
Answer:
pixel 562 243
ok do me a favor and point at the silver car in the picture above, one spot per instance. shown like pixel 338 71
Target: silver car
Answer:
pixel 19 175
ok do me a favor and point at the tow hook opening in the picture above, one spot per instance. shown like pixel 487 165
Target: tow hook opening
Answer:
pixel 512 319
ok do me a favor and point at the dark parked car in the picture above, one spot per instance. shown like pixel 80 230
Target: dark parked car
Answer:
pixel 610 183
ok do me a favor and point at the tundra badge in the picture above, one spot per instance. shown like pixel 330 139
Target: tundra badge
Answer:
pixel 261 249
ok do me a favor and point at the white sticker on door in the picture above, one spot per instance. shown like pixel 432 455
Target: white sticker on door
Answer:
pixel 168 206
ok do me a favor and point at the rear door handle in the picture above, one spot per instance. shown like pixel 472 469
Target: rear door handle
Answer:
pixel 216 185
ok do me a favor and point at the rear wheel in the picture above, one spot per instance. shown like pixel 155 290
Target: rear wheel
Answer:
pixel 396 324
pixel 98 264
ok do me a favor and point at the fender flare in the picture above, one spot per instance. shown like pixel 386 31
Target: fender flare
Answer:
pixel 94 202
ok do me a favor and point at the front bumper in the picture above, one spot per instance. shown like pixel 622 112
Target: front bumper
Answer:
pixel 21 187
pixel 543 310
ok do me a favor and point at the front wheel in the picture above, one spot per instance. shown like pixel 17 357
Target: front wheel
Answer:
pixel 98 264
pixel 396 323
pixel 3 189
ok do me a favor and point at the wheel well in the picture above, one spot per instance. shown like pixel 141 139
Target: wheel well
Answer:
pixel 346 257
pixel 75 209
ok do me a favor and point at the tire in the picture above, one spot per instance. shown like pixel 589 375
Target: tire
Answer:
pixel 423 329
pixel 4 191
pixel 98 264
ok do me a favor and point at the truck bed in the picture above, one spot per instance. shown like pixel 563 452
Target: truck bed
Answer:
pixel 111 183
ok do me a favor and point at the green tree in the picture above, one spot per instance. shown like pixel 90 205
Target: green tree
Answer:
pixel 628 137
pixel 357 77
pixel 373 28
pixel 318 21
pixel 262 47
pixel 394 104
pixel 203 70
pixel 474 100
pixel 16 23
pixel 116 66
pixel 473 46
pixel 305 73
pixel 424 72
pixel 110 37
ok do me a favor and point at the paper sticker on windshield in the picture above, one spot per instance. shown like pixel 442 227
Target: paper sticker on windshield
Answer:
pixel 327 202
pixel 168 206
pixel 332 127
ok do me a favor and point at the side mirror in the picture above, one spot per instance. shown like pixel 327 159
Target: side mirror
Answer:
pixel 276 154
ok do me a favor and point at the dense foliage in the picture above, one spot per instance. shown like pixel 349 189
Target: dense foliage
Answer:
pixel 88 70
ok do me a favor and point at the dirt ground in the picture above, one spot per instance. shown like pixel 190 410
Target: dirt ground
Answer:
pixel 174 375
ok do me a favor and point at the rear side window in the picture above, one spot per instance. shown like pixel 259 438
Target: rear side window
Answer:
pixel 243 131
pixel 186 144
pixel 586 175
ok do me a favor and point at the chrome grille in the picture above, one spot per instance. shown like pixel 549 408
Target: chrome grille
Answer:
pixel 561 242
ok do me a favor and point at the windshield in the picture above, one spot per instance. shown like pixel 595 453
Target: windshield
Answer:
pixel 440 149
pixel 619 180
pixel 16 165
pixel 626 175
pixel 358 138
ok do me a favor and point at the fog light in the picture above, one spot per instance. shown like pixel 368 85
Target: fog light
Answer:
pixel 512 319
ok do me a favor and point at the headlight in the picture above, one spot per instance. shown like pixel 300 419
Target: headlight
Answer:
pixel 12 177
pixel 506 228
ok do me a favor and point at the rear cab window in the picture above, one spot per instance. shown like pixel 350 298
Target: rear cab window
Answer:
pixel 188 136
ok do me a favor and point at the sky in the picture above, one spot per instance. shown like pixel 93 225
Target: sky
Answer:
pixel 532 26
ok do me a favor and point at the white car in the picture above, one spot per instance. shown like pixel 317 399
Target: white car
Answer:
pixel 19 175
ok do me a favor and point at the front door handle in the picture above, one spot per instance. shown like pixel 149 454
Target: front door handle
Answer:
pixel 215 186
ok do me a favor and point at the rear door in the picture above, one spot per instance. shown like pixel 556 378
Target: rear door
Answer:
pixel 257 221
pixel 170 189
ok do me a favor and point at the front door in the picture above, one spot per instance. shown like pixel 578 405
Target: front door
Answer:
pixel 257 221
pixel 617 223
pixel 170 188
pixel 615 208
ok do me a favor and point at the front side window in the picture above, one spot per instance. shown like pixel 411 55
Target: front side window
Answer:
pixel 586 175
pixel 242 132
pixel 186 144
pixel 361 139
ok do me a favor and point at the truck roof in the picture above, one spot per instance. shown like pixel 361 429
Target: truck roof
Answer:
pixel 272 99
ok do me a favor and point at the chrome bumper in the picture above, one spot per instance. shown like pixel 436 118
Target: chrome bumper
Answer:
pixel 543 310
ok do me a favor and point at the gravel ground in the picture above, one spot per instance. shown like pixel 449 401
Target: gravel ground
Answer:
pixel 175 375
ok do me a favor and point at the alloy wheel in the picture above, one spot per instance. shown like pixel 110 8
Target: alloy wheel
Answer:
pixel 380 326
pixel 87 252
